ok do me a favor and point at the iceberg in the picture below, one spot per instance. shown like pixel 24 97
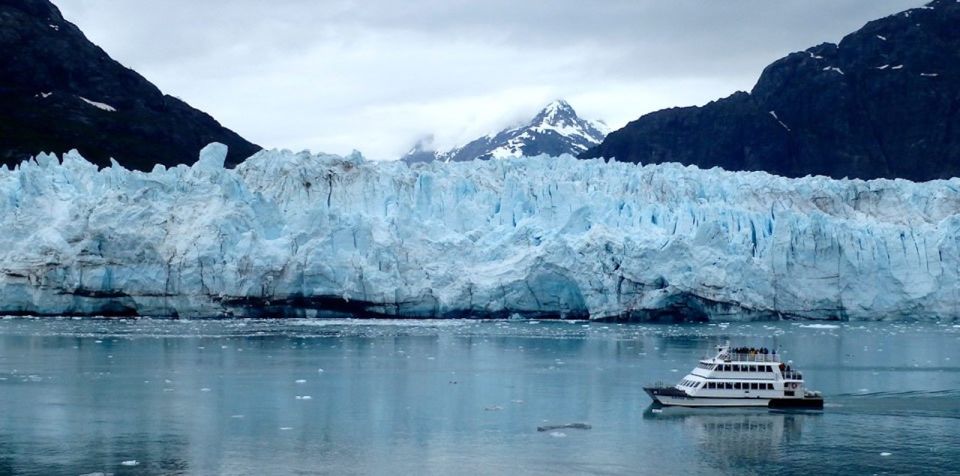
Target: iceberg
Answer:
pixel 301 235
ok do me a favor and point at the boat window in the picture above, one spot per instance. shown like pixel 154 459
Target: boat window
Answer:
pixel 736 368
pixel 769 386
pixel 728 386
pixel 736 385
pixel 754 386
pixel 726 367
pixel 712 385
pixel 753 368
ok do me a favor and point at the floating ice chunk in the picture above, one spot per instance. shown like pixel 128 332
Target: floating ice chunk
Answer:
pixel 881 37
pixel 558 434
pixel 301 381
pixel 204 389
pixel 819 326
pixel 286 428
pixel 834 69
pixel 493 408
pixel 883 67
pixel 130 462
pixel 899 66
pixel 885 453
pixel 930 75
pixel 574 426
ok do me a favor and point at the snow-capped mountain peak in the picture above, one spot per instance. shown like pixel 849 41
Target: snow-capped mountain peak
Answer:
pixel 555 130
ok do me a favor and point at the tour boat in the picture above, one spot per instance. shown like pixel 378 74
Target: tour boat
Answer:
pixel 739 377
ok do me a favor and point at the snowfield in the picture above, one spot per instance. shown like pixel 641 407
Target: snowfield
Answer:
pixel 299 235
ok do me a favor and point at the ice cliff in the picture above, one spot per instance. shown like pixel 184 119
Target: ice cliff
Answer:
pixel 294 234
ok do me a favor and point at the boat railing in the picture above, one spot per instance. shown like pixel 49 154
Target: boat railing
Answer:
pixel 751 357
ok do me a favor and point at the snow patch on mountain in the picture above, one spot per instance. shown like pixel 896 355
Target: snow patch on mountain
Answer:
pixel 294 234
pixel 98 105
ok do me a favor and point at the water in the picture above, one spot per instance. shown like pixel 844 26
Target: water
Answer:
pixel 381 397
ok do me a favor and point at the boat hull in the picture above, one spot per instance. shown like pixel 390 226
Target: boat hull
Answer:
pixel 673 397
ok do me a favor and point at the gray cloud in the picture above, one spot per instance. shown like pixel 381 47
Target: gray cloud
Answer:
pixel 376 75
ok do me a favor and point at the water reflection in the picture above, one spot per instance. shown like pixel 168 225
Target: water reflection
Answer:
pixel 734 436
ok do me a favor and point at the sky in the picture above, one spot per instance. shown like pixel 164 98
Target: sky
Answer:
pixel 379 75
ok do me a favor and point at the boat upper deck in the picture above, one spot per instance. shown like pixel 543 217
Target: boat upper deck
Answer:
pixel 745 354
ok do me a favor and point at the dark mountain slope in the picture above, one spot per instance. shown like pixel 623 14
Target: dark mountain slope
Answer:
pixel 59 91
pixel 882 103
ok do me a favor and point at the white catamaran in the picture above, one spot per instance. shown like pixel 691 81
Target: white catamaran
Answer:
pixel 739 377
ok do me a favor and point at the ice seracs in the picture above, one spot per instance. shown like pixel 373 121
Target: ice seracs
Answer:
pixel 296 234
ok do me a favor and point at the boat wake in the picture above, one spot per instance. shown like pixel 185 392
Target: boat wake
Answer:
pixel 912 403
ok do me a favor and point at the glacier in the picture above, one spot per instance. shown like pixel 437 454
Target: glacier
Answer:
pixel 299 235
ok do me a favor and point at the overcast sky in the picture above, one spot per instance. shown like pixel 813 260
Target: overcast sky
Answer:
pixel 376 75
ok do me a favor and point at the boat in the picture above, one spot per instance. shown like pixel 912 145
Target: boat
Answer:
pixel 739 377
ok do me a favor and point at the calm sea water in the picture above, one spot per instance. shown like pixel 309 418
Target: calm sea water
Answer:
pixel 460 397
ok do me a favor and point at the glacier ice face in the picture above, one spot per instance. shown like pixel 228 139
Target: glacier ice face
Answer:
pixel 294 234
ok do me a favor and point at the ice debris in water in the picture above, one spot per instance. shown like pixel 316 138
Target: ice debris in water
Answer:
pixel 131 462
pixel 579 238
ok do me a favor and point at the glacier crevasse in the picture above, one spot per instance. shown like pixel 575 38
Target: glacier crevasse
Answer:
pixel 295 234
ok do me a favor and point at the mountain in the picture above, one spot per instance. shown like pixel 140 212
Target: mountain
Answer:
pixel 295 234
pixel 554 131
pixel 59 91
pixel 884 102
